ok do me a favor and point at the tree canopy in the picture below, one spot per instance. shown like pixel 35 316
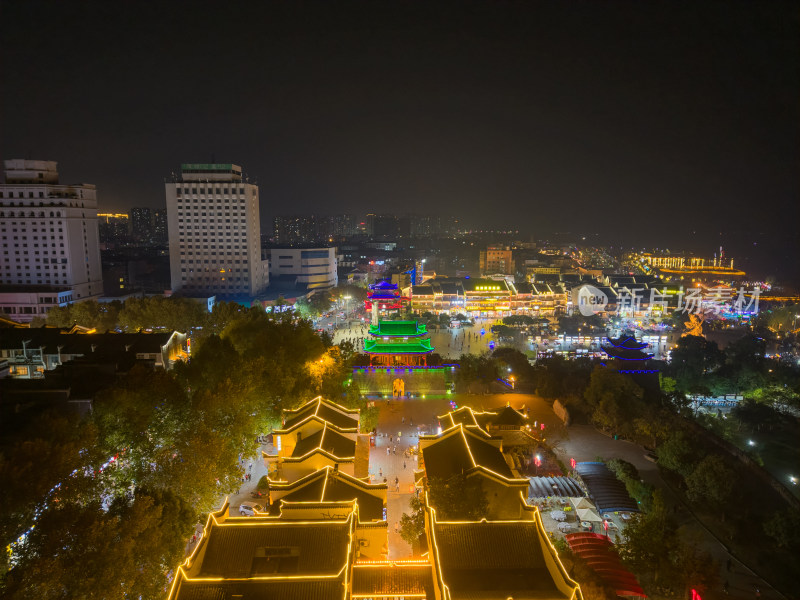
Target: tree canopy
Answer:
pixel 170 443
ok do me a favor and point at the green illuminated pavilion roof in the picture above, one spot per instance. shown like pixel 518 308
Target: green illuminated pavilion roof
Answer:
pixel 416 346
pixel 398 328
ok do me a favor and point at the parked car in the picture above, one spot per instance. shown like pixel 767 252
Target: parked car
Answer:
pixel 250 509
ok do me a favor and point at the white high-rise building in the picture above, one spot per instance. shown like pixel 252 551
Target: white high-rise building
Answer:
pixel 215 232
pixel 50 243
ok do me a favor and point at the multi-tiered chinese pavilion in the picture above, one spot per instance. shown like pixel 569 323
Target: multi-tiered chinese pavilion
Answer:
pixel 394 343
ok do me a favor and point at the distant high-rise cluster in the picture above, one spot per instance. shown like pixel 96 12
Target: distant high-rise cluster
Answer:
pixel 115 229
pixel 307 229
pixel 148 226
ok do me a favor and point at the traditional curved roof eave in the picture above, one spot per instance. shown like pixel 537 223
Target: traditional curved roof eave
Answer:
pixel 511 481
pixel 299 459
pixel 285 486
pixel 474 429
pixel 321 400
pixel 319 420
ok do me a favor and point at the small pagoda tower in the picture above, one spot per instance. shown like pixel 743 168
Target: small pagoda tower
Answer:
pixel 626 348
pixel 394 343
pixel 628 357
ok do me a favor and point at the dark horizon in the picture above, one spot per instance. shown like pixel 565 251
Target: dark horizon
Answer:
pixel 649 120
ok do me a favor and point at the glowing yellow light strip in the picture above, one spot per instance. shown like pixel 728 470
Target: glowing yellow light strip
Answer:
pixel 283 486
pixel 536 523
pixel 244 522
pixel 321 451
pixel 318 420
pixel 324 485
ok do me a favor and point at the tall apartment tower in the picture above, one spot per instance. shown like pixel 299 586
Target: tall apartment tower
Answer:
pixel 215 232
pixel 50 242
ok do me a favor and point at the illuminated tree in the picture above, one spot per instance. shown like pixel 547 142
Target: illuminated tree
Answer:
pixel 80 550
pixel 412 525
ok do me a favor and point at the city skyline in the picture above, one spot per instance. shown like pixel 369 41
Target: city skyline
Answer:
pixel 634 117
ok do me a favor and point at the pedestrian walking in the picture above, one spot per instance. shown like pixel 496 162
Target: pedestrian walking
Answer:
pixel 404 464
pixel 387 450
pixel 758 593
pixel 380 472
pixel 725 586
pixel 397 527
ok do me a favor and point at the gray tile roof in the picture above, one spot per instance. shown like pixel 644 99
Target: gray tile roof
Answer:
pixel 393 580
pixel 339 487
pixel 328 440
pixel 324 411
pixel 494 560
pixel 81 343
pixel 309 589
pixel 454 452
pixel 316 549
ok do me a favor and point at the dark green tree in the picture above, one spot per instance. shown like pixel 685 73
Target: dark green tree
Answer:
pixel 783 526
pixel 650 541
pixel 711 480
pixel 458 498
pixel 412 524
pixel 692 359
pixel 678 453
pixel 615 401
pixel 518 320
pixel 92 314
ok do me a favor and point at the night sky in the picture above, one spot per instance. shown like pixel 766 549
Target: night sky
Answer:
pixel 639 120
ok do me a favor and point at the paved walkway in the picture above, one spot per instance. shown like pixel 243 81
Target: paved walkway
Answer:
pixel 398 430
pixel 242 494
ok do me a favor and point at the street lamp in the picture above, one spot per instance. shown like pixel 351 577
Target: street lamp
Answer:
pixel 346 304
